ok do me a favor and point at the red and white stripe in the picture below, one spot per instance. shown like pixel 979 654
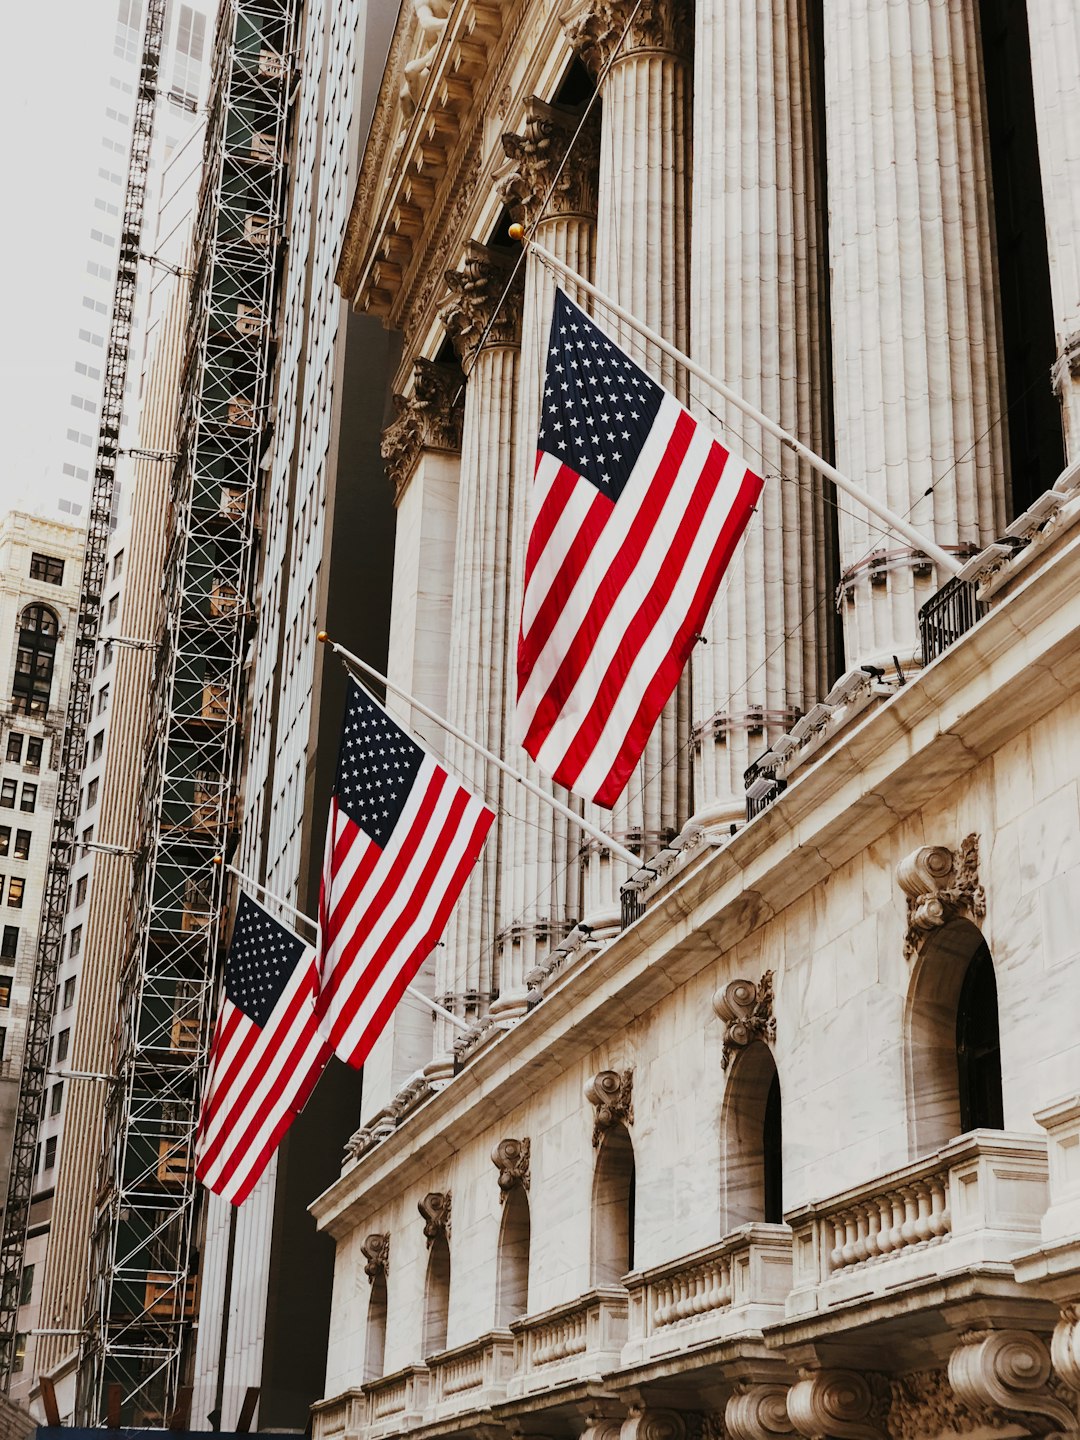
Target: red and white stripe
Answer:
pixel 615 593
pixel 260 1078
pixel 381 911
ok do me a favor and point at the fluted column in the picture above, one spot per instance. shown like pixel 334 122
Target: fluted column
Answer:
pixel 539 896
pixel 642 261
pixel 757 322
pixel 916 334
pixel 1054 28
pixel 481 620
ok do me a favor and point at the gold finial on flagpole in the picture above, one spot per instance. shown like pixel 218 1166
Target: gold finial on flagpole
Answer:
pixel 517 232
pixel 323 638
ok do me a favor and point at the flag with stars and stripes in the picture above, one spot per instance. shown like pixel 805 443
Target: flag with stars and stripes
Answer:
pixel 401 840
pixel 266 1053
pixel 636 511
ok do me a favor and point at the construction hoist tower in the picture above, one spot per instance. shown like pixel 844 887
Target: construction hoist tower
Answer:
pixel 32 1084
pixel 144 1264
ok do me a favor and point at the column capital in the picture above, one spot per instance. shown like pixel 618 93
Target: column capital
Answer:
pixel 475 290
pixel 536 155
pixel 429 418
pixel 595 27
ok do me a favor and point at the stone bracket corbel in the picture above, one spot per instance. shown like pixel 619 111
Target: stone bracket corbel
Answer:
pixel 511 1158
pixel 376 1252
pixel 612 1097
pixel 836 1405
pixel 940 885
pixel 758 1412
pixel 747 1012
pixel 1009 1370
pixel 435 1211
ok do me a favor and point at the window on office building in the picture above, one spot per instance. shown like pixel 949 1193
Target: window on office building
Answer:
pixel 7 793
pixel 9 948
pixel 15 746
pixel 63 1044
pixel 34 747
pixel 28 798
pixel 75 943
pixel 49 568
pixel 32 686
pixel 22 845
pixel 16 887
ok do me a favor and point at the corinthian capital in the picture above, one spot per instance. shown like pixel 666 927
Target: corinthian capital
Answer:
pixel 427 419
pixel 475 292
pixel 535 159
pixel 595 29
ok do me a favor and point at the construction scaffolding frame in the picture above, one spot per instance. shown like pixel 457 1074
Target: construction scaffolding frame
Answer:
pixel 144 1278
pixel 32 1084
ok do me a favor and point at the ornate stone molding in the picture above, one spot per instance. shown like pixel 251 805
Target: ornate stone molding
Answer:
pixel 1065 1347
pixel 940 884
pixel 649 1424
pixel 435 1209
pixel 758 1412
pixel 535 158
pixel 427 419
pixel 926 1404
pixel 511 1158
pixel 836 1405
pixel 747 1012
pixel 1009 1370
pixel 612 1096
pixel 376 1252
pixel 595 29
pixel 475 291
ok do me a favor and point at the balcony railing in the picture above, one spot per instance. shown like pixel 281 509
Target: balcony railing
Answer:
pixel 977 1201
pixel 471 1376
pixel 734 1287
pixel 397 1402
pixel 339 1418
pixel 569 1342
pixel 948 614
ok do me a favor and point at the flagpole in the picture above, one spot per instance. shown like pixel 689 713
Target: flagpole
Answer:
pixel 299 915
pixel 579 820
pixel 895 522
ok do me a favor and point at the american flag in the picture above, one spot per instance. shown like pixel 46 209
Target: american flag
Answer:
pixel 636 511
pixel 401 840
pixel 266 1054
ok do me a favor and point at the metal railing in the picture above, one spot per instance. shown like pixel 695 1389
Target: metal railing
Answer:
pixel 947 615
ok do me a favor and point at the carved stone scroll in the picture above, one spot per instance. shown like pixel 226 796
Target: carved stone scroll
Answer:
pixel 435 1209
pixel 758 1412
pixel 1009 1370
pixel 612 1096
pixel 1065 1347
pixel 836 1405
pixel 747 1012
pixel 477 301
pixel 597 29
pixel 511 1159
pixel 376 1252
pixel 428 419
pixel 536 163
pixel 649 1424
pixel 940 885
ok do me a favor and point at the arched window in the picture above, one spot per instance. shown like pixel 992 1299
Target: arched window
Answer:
pixel 953 1050
pixel 752 1141
pixel 613 1208
pixel 375 1344
pixel 32 686
pixel 512 1274
pixel 437 1297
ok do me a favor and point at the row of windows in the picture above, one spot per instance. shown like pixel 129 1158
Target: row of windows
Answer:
pixel 102 238
pixel 90 371
pixel 109 175
pixel 77 472
pixel 21 848
pixel 89 303
pixel 80 402
pixel 107 208
pixel 27 796
pixel 34 749
pixel 66 505
pixel 91 338
pixel 32 685
pixel 78 438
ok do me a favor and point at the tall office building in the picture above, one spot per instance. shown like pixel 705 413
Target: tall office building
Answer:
pixel 775 1134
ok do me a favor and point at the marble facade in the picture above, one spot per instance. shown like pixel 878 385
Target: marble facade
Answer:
pixel 573 1220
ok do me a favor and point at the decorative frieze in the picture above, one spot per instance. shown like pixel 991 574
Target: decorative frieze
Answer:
pixel 376 1252
pixel 480 310
pixel 607 30
pixel 612 1096
pixel 838 1405
pixel 511 1158
pixel 537 162
pixel 940 885
pixel 1009 1370
pixel 747 1012
pixel 926 1404
pixel 758 1412
pixel 435 1210
pixel 427 419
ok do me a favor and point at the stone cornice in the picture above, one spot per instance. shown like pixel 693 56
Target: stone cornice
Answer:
pixel 1016 665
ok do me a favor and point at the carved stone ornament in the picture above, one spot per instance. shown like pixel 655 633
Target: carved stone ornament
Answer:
pixel 758 1412
pixel 428 419
pixel 535 159
pixel 431 17
pixel 376 1252
pixel 838 1405
pixel 511 1159
pixel 649 1424
pixel 926 1404
pixel 435 1209
pixel 475 292
pixel 747 1012
pixel 597 29
pixel 612 1095
pixel 1065 1347
pixel 1009 1370
pixel 940 885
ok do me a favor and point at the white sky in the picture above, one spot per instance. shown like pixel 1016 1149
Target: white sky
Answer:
pixel 51 115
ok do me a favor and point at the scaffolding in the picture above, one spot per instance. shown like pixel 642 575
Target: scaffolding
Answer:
pixel 143 1293
pixel 32 1085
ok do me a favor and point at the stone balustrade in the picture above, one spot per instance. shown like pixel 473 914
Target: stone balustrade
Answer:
pixel 734 1287
pixel 341 1417
pixel 471 1376
pixel 398 1401
pixel 582 1338
pixel 977 1201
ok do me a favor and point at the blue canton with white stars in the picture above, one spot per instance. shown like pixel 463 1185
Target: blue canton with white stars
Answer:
pixel 377 764
pixel 262 958
pixel 598 405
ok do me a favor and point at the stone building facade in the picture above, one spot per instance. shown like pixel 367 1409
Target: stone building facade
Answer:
pixel 776 1135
